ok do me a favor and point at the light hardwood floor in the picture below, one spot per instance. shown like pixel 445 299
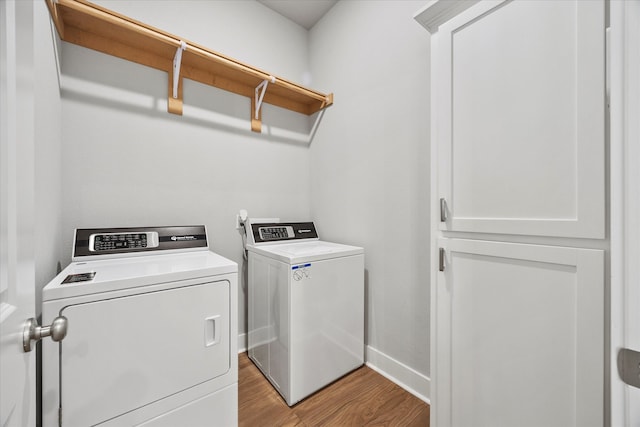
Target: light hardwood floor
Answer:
pixel 361 398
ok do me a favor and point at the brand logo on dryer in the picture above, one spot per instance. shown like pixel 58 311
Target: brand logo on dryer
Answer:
pixel 183 238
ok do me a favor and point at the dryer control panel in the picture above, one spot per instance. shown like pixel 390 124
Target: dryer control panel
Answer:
pixel 99 242
pixel 91 243
pixel 279 232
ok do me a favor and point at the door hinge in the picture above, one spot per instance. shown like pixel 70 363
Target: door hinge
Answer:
pixel 629 366
pixel 60 417
pixel 443 209
pixel 441 260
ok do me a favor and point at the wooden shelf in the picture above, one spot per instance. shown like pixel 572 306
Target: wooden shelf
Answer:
pixel 92 26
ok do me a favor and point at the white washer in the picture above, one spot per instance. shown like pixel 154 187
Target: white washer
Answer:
pixel 306 307
pixel 152 332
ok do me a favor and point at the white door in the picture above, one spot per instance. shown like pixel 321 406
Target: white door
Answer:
pixel 17 299
pixel 520 335
pixel 521 119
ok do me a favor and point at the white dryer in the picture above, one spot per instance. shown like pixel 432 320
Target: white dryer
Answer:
pixel 306 307
pixel 151 332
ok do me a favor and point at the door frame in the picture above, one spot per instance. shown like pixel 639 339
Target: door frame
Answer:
pixel 624 98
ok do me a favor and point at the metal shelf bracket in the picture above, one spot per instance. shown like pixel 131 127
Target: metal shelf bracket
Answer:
pixel 175 81
pixel 177 60
pixel 256 105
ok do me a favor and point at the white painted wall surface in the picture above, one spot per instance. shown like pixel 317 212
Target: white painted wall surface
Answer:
pixel 370 166
pixel 127 162
pixel 48 153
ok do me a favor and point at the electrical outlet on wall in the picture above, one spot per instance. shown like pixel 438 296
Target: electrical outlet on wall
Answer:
pixel 241 217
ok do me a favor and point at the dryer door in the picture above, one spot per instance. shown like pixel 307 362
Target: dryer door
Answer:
pixel 123 353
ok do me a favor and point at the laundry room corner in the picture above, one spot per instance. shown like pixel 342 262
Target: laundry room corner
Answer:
pixel 370 174
pixel 127 162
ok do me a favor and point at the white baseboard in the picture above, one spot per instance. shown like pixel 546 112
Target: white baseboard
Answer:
pixel 242 343
pixel 408 378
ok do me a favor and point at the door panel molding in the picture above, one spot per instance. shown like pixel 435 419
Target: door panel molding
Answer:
pixel 508 163
pixel 520 329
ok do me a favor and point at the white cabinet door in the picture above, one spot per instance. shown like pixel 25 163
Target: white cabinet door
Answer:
pixel 520 118
pixel 520 335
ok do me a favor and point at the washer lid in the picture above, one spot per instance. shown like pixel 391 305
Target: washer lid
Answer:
pixel 317 250
pixel 91 277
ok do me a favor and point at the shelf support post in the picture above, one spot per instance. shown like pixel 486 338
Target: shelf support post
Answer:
pixel 256 105
pixel 175 81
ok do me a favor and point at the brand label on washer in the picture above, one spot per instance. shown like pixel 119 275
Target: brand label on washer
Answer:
pixel 296 267
pixel 183 238
pixel 301 271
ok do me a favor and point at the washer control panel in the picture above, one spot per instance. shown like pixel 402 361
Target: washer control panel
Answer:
pixel 276 233
pixel 280 232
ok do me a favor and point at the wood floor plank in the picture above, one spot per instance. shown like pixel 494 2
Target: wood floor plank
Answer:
pixel 258 403
pixel 353 400
pixel 361 398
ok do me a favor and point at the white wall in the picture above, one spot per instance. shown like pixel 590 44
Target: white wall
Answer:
pixel 127 162
pixel 370 166
pixel 48 153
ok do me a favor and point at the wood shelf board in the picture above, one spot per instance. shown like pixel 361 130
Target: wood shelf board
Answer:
pixel 117 49
pixel 84 20
pixel 97 28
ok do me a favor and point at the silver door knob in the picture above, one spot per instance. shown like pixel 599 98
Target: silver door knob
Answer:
pixel 32 332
